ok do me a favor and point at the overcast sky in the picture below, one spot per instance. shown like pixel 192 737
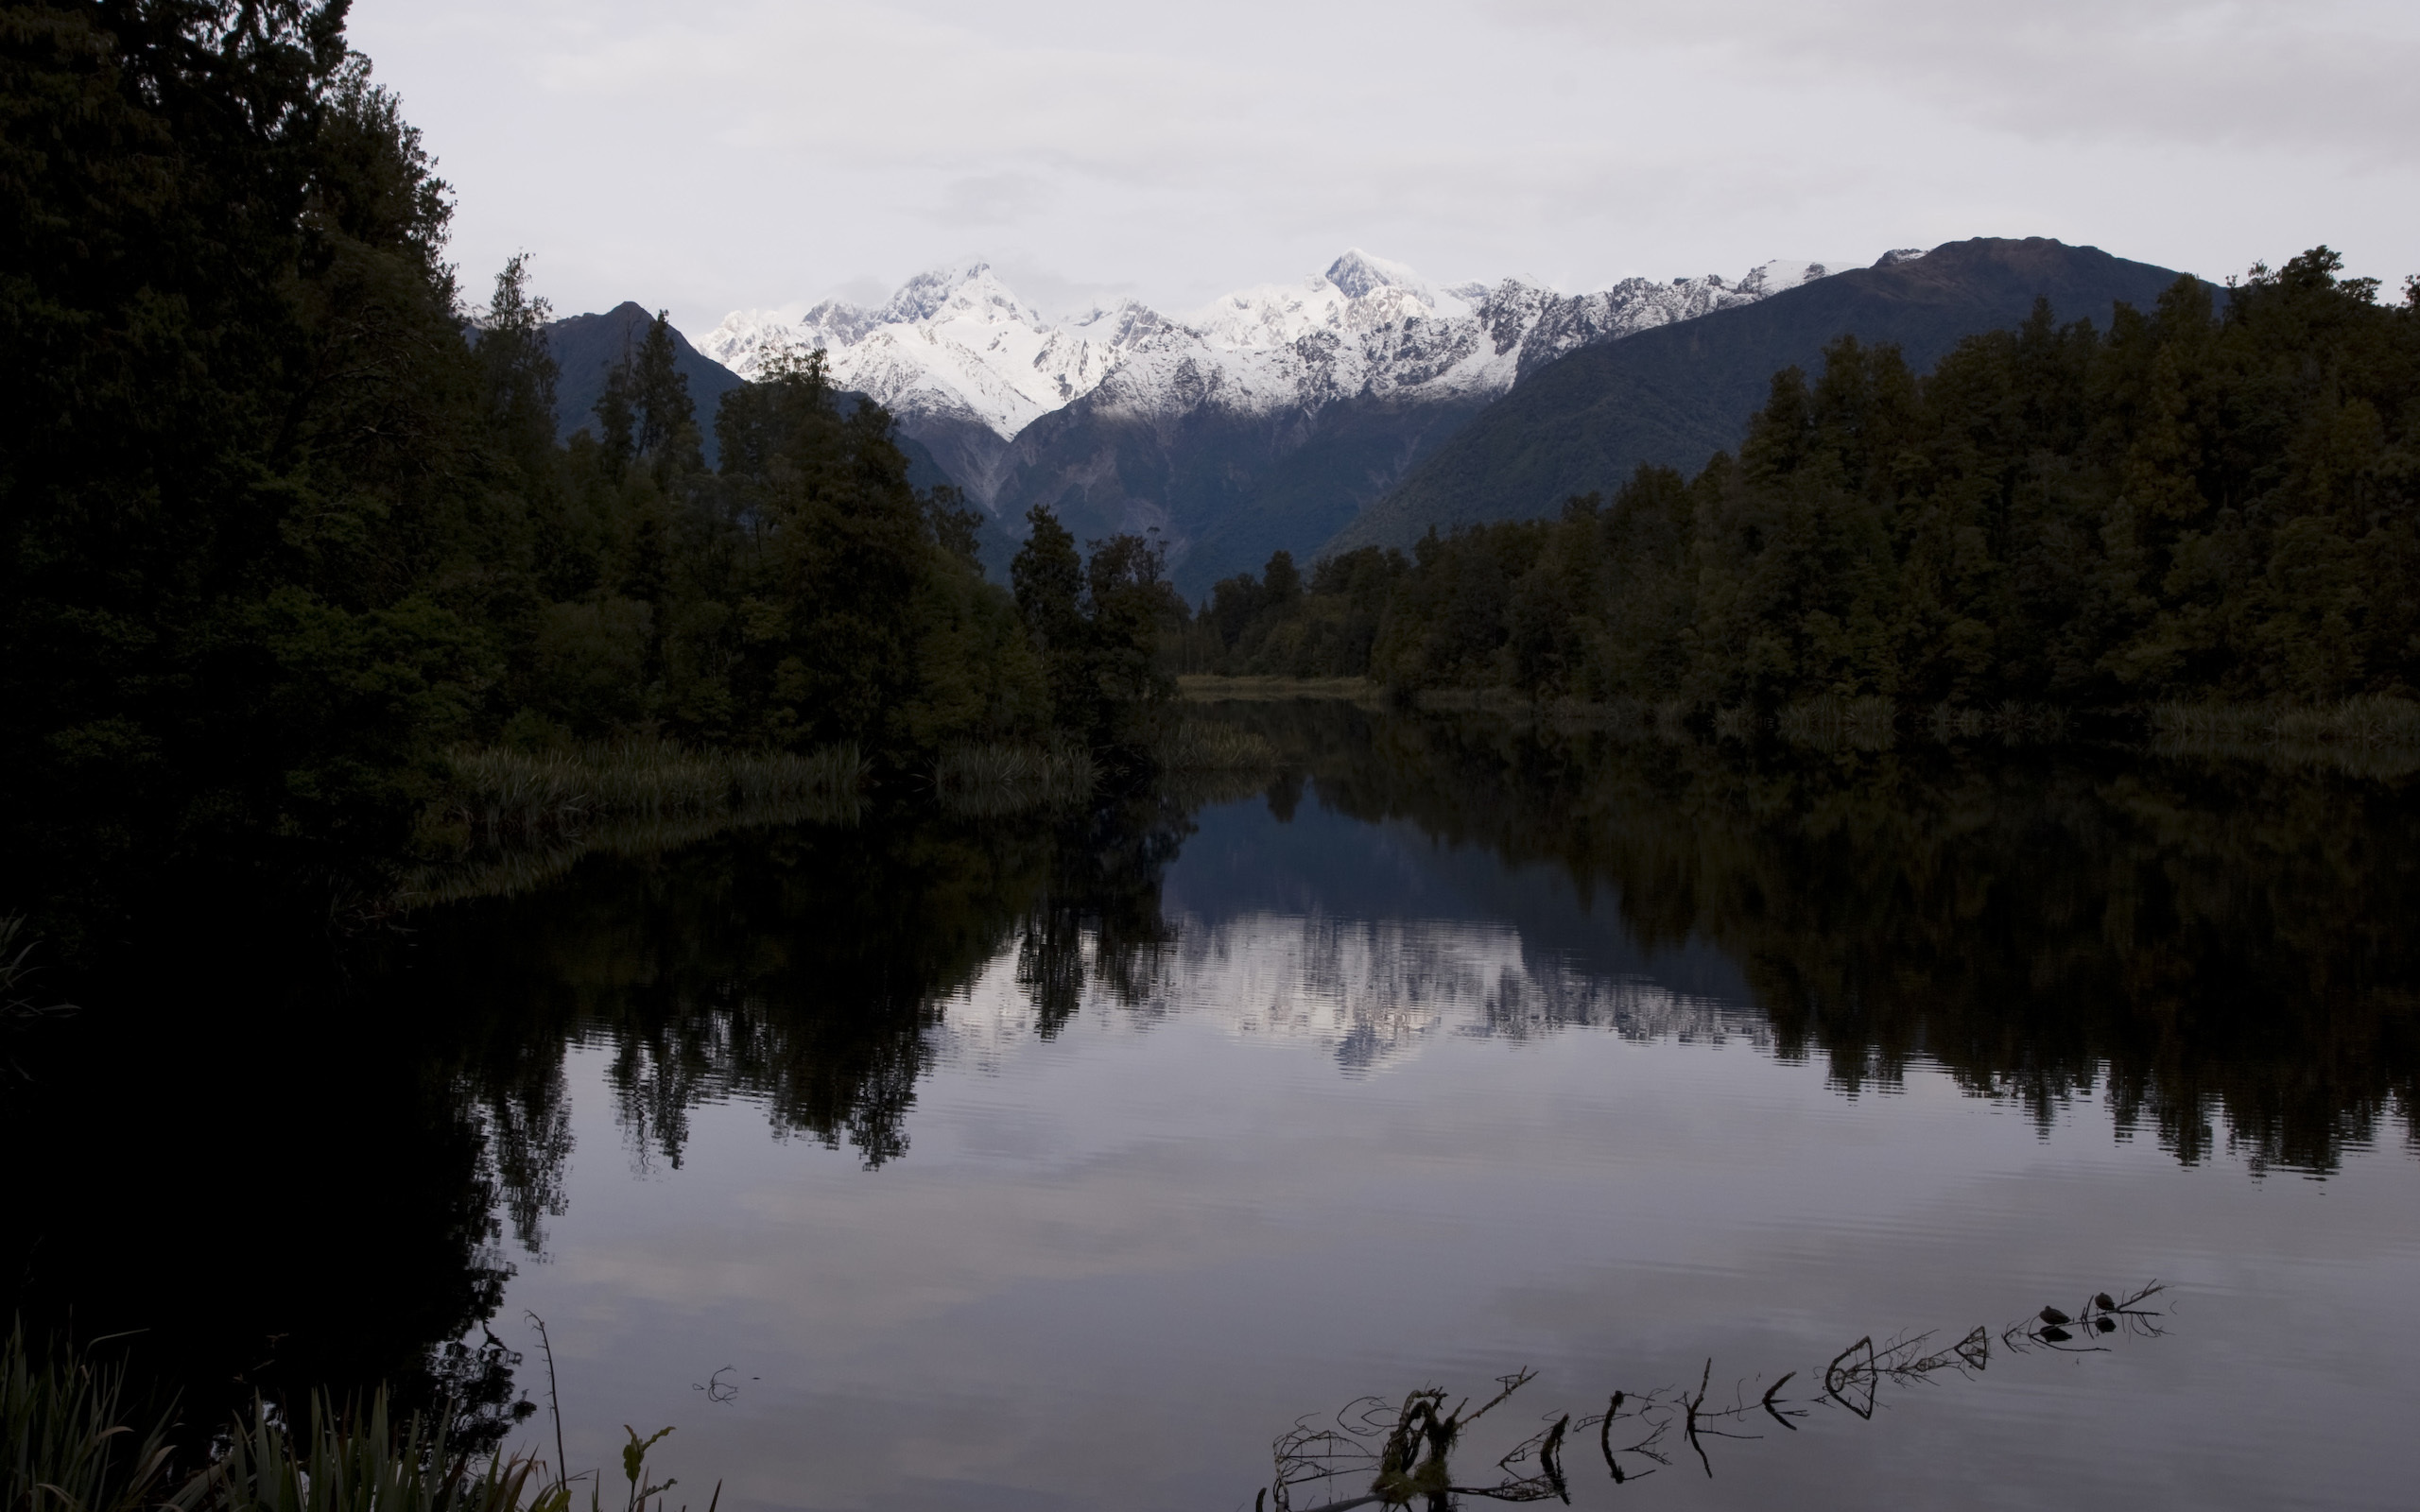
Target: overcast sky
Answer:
pixel 716 154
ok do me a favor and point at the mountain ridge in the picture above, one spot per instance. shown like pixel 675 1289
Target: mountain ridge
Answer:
pixel 1678 395
pixel 1267 418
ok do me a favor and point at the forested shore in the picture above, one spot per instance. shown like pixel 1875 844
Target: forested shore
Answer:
pixel 2211 501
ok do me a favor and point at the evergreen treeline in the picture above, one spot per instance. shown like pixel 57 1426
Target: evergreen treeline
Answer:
pixel 281 518
pixel 2214 500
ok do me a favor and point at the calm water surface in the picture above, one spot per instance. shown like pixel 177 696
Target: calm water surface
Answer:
pixel 1071 1165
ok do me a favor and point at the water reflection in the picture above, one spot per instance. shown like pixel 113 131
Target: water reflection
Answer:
pixel 2212 958
pixel 2217 957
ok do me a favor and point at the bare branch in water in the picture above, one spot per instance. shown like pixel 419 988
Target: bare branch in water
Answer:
pixel 1405 1448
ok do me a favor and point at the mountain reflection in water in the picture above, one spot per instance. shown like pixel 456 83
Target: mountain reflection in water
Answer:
pixel 1460 1046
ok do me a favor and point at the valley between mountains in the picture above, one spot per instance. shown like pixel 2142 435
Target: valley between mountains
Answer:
pixel 1361 405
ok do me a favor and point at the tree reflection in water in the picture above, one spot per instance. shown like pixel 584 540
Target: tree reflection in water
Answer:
pixel 1401 1453
pixel 804 971
pixel 2217 951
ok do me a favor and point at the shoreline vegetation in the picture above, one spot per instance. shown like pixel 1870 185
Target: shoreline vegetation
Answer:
pixel 74 1440
pixel 510 821
pixel 2371 723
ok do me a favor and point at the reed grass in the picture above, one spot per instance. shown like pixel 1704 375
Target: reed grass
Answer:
pixel 2009 721
pixel 1833 723
pixel 70 1442
pixel 514 863
pixel 1198 687
pixel 1737 722
pixel 996 778
pixel 64 1430
pixel 365 1463
pixel 2376 722
pixel 1208 746
pixel 16 954
pixel 498 791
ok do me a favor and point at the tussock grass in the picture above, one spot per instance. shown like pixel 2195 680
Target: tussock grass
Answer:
pixel 995 777
pixel 499 791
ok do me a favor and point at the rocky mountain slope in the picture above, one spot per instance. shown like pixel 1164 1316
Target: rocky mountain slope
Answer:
pixel 1678 395
pixel 1268 419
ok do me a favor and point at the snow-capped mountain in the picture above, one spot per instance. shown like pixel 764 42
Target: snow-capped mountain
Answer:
pixel 954 342
pixel 1266 418
pixel 957 344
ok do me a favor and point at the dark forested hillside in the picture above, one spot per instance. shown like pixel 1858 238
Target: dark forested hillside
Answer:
pixel 1676 395
pixel 2218 497
pixel 1229 486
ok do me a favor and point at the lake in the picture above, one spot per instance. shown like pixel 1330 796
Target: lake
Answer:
pixel 1073 1160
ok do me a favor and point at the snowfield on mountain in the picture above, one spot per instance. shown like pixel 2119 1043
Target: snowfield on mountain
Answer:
pixel 958 345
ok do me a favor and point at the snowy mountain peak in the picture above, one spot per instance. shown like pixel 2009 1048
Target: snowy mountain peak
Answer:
pixel 969 287
pixel 954 345
pixel 1779 274
pixel 1357 273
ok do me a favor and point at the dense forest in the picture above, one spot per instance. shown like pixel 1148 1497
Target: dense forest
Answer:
pixel 283 515
pixel 2213 499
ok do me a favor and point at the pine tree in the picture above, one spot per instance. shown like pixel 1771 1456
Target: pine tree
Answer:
pixel 616 417
pixel 1048 579
pixel 518 372
pixel 667 432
